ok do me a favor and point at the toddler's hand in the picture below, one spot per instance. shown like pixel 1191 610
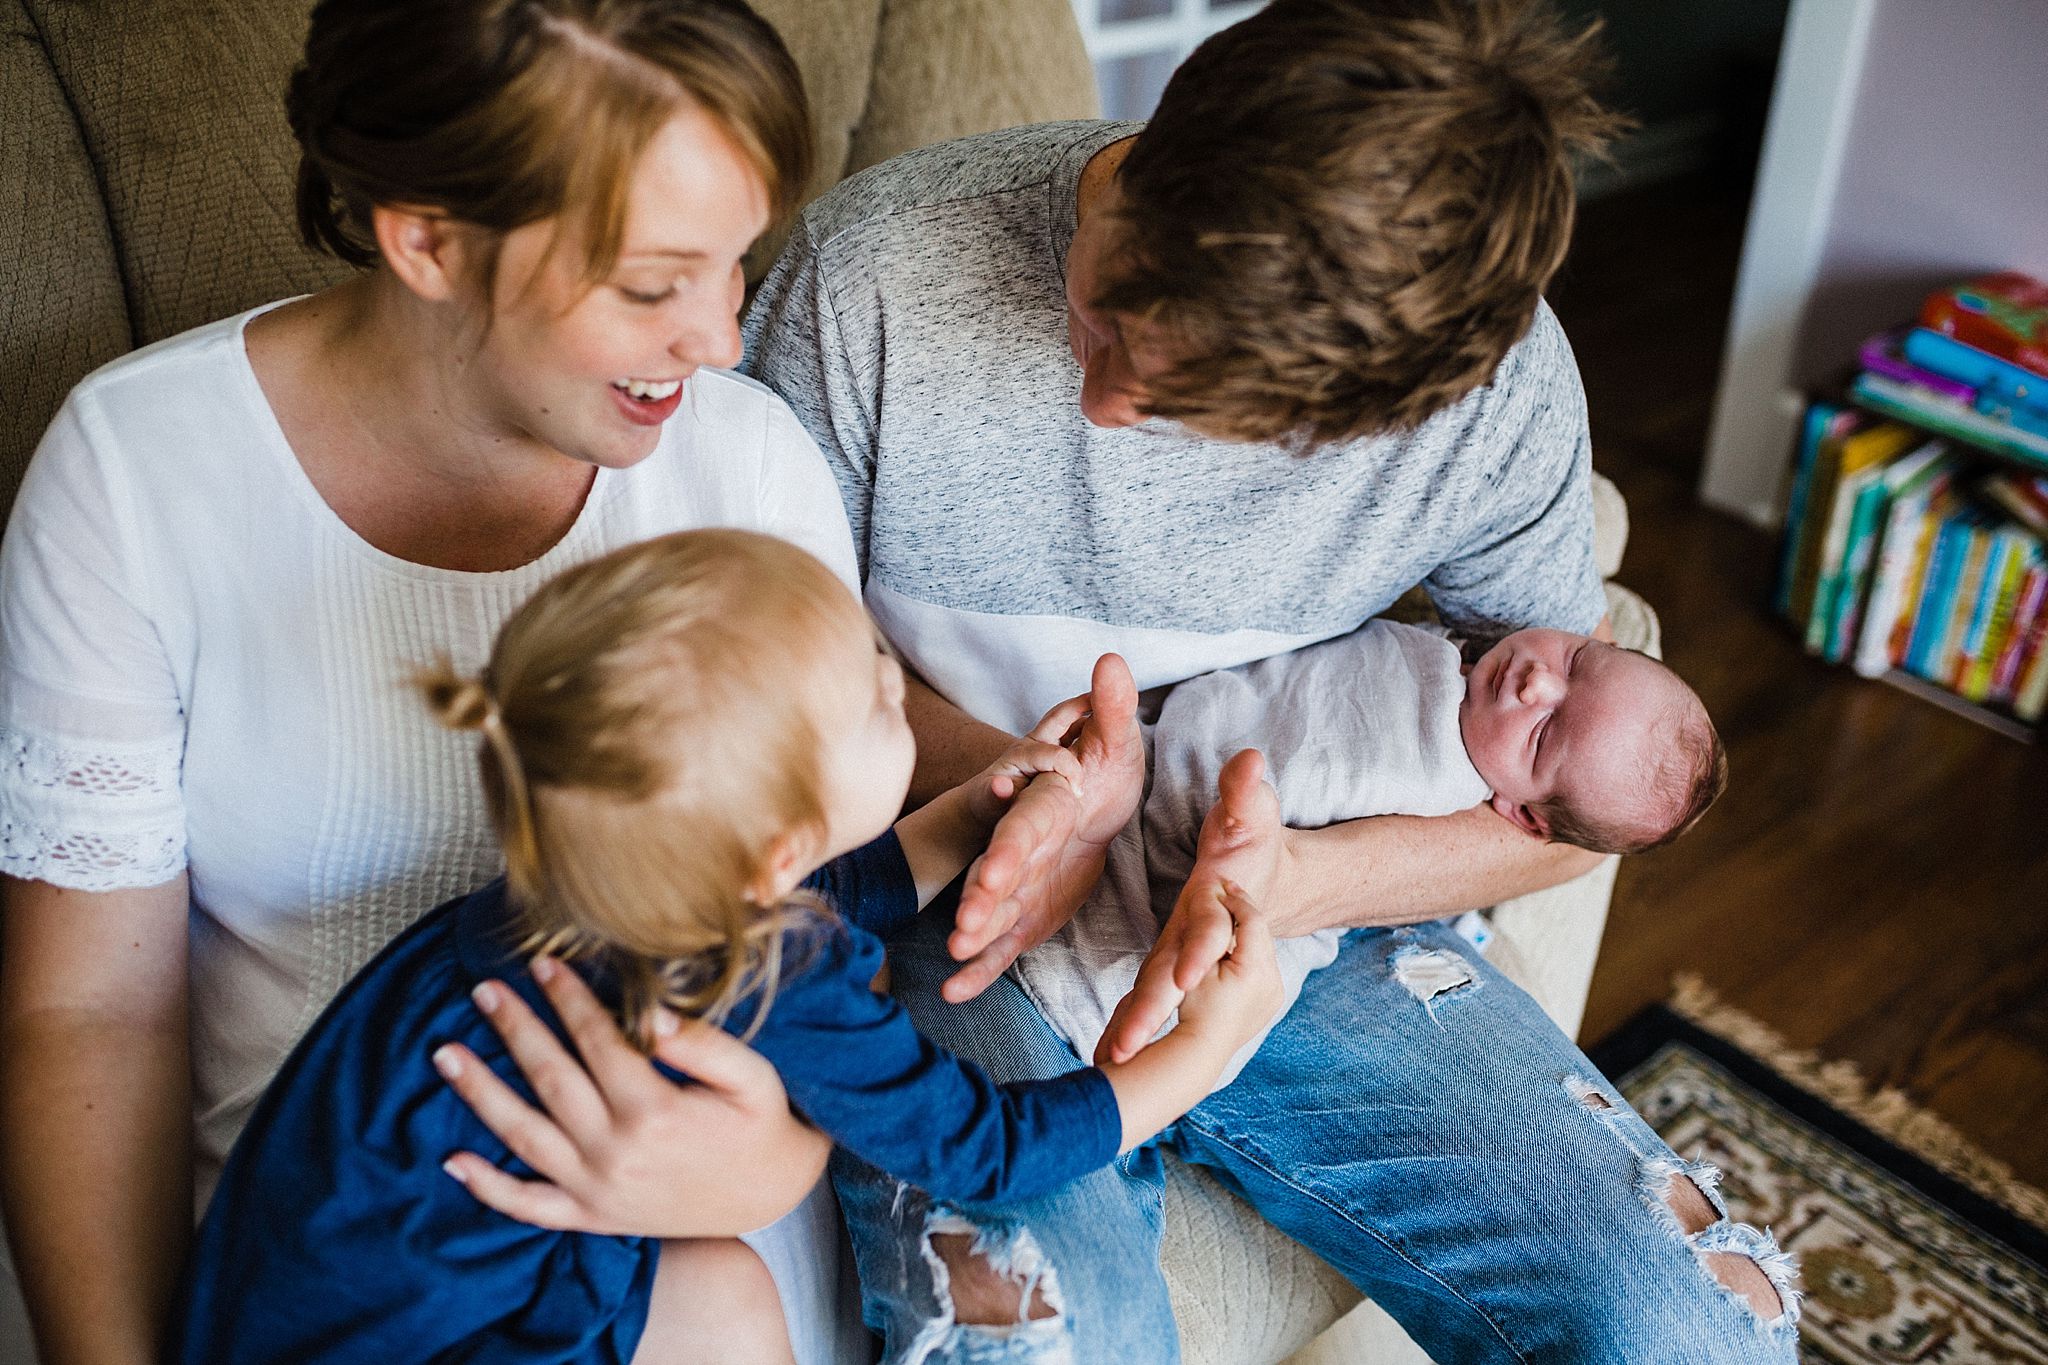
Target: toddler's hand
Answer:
pixel 989 792
pixel 1239 996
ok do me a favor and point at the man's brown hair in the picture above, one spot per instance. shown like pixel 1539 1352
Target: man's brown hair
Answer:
pixel 1344 211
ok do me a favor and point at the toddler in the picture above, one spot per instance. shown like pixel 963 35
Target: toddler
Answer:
pixel 692 750
pixel 1570 738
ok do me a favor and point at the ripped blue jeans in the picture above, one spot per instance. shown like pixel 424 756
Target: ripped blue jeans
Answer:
pixel 1416 1120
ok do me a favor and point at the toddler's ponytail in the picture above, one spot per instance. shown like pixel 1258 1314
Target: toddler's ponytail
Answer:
pixel 460 703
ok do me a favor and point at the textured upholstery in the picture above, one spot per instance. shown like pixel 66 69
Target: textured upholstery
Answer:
pixel 946 68
pixel 62 313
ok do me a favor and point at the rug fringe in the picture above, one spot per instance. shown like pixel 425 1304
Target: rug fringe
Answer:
pixel 1884 1110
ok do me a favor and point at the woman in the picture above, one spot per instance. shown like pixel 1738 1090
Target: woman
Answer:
pixel 233 544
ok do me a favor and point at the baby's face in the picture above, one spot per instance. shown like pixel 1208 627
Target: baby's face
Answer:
pixel 1550 715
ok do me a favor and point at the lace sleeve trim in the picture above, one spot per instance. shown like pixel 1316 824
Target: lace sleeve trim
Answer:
pixel 91 817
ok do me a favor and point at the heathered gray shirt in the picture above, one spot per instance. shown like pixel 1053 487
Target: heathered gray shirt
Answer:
pixel 916 324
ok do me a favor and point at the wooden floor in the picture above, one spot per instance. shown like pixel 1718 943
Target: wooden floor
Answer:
pixel 1875 882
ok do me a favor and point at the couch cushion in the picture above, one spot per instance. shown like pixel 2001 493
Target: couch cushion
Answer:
pixel 182 107
pixel 62 313
pixel 948 68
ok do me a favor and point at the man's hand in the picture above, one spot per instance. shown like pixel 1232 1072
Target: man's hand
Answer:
pixel 1237 856
pixel 1047 851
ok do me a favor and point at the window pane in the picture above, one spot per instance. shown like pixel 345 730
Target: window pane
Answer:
pixel 1118 11
pixel 1131 85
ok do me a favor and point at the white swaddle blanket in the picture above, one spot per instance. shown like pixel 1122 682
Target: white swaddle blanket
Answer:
pixel 1365 724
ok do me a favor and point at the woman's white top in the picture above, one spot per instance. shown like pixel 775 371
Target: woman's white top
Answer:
pixel 203 668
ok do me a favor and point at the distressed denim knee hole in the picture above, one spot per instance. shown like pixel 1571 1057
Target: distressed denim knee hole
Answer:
pixel 984 1294
pixel 1748 1265
pixel 1689 1204
pixel 1432 975
pixel 1587 1095
pixel 995 1296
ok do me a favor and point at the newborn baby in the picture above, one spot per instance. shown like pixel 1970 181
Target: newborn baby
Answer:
pixel 1570 738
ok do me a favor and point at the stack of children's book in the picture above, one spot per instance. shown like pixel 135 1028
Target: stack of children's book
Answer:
pixel 1914 548
pixel 1975 368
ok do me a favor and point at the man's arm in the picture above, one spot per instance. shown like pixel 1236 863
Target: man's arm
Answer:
pixel 952 746
pixel 1405 869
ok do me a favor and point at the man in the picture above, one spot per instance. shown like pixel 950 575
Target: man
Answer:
pixel 1199 393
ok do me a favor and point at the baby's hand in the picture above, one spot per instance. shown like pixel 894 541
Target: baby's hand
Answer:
pixel 988 792
pixel 1239 996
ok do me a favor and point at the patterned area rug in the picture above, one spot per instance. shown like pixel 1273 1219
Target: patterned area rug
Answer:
pixel 1915 1248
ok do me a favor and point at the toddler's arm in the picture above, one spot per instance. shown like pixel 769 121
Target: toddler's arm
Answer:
pixel 856 1066
pixel 947 833
pixel 1234 1002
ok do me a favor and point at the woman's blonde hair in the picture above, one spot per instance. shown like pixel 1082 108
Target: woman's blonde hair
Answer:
pixel 502 113
pixel 650 728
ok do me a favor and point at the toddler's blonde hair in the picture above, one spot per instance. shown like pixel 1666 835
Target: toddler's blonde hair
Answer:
pixel 650 727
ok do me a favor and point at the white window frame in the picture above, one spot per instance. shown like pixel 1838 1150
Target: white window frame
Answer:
pixel 1178 32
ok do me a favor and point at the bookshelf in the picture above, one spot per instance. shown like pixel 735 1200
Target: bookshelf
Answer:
pixel 1898 157
pixel 1916 558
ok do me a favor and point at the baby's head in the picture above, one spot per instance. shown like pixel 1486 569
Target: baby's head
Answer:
pixel 674 735
pixel 1587 743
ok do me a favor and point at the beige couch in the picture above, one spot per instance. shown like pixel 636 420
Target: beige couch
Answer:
pixel 145 175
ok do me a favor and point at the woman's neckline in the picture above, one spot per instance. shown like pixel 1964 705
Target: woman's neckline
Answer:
pixel 294 471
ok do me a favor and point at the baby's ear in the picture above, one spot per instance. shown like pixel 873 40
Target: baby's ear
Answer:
pixel 1522 817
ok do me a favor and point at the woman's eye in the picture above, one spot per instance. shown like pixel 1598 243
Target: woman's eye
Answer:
pixel 637 297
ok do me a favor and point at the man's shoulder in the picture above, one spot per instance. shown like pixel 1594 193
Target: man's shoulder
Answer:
pixel 980 166
pixel 1530 414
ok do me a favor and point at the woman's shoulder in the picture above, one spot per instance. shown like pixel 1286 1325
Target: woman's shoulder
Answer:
pixel 738 434
pixel 192 393
pixel 731 405
pixel 209 354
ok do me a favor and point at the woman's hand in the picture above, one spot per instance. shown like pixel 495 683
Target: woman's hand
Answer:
pixel 621 1149
pixel 1241 847
pixel 1047 851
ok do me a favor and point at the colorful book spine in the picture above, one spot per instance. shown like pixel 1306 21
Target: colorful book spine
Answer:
pixel 2016 496
pixel 1860 460
pixel 1848 583
pixel 2031 692
pixel 1949 418
pixel 1918 576
pixel 1901 567
pixel 1967 599
pixel 2026 622
pixel 1866 534
pixel 2007 384
pixel 2010 551
pixel 1937 598
pixel 1825 422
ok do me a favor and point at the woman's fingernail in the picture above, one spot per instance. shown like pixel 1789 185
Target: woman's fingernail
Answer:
pixel 447 1061
pixel 454 1170
pixel 486 996
pixel 543 969
pixel 665 1024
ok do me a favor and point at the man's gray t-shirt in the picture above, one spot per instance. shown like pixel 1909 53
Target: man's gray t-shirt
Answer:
pixel 916 324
